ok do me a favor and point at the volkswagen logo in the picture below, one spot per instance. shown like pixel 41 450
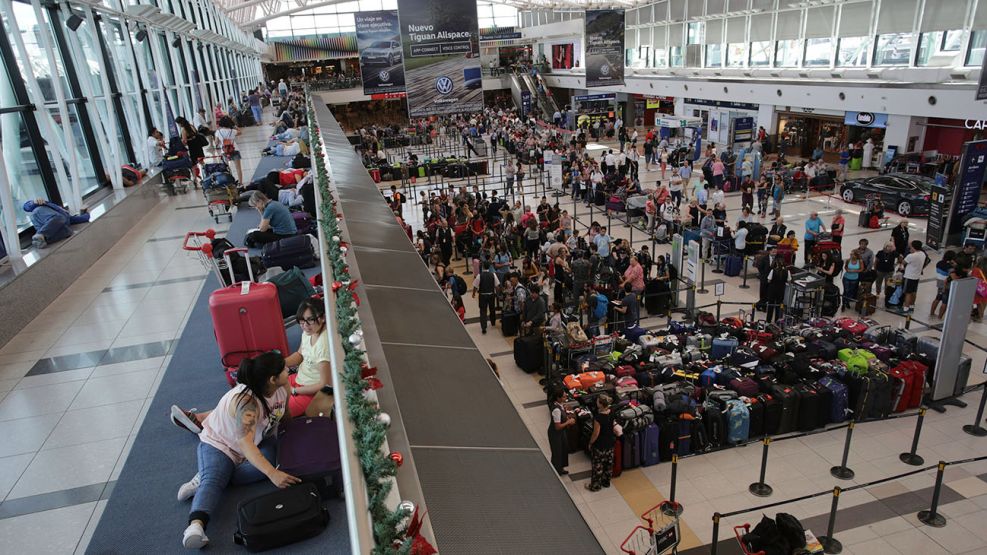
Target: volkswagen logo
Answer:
pixel 443 85
pixel 384 75
pixel 865 118
pixel 605 69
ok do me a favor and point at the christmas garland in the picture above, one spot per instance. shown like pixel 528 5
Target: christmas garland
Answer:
pixel 391 528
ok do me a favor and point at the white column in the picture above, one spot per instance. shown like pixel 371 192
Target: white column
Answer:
pixel 9 216
pixel 766 118
pixel 901 129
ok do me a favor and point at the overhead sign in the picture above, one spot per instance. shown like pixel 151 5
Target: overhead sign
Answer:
pixel 381 58
pixel 441 48
pixel 593 97
pixel 604 47
pixel 388 96
pixel 866 119
pixel 743 130
pixel 678 123
pixel 722 104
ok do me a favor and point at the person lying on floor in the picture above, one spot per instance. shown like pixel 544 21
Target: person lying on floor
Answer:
pixel 290 147
pixel 276 222
pixel 238 443
pixel 51 222
pixel 270 184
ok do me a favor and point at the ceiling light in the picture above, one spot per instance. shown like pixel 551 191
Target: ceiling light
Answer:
pixel 73 22
pixel 141 35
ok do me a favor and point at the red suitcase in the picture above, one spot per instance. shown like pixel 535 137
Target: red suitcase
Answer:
pixel 246 319
pixel 913 373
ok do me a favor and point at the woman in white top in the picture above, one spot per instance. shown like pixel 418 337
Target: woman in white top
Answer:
pixel 312 358
pixel 237 440
pixel 226 136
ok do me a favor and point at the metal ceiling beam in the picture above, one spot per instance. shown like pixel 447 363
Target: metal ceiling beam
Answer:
pixel 254 24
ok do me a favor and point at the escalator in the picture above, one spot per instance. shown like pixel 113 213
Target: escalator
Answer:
pixel 545 103
pixel 519 89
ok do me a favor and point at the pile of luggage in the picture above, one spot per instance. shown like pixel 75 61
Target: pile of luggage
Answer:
pixel 695 387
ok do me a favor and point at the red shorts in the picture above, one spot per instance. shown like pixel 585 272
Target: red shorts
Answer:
pixel 298 403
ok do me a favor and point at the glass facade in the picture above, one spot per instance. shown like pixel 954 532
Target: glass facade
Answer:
pixel 86 94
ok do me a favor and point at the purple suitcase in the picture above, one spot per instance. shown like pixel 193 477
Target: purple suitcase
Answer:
pixel 304 223
pixel 308 447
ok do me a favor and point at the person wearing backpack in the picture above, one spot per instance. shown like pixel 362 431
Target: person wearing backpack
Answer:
pixel 226 137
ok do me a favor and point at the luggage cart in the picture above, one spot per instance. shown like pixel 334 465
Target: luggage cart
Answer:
pixel 740 532
pixel 220 199
pixel 660 535
pixel 200 243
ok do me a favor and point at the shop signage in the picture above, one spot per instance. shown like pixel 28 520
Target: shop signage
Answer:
pixel 592 97
pixel 939 202
pixel 975 124
pixel 674 123
pixel 866 119
pixel 387 96
pixel 499 33
pixel 722 104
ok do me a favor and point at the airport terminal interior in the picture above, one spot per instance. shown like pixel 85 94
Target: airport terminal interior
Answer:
pixel 509 276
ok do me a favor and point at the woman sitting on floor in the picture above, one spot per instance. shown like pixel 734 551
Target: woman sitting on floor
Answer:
pixel 237 440
pixel 312 358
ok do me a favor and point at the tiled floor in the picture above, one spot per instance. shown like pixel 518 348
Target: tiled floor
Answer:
pixel 872 520
pixel 76 382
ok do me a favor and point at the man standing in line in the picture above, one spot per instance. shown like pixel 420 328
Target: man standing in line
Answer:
pixel 485 285
pixel 914 264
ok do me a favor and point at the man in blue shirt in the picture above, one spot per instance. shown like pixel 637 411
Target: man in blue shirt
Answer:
pixel 276 222
pixel 813 228
pixel 602 241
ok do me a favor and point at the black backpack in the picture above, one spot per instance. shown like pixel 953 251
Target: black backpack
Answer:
pixel 791 530
pixel 301 161
pixel 459 285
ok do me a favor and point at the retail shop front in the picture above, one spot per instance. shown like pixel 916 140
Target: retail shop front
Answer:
pixel 647 108
pixel 947 136
pixel 811 132
pixel 724 123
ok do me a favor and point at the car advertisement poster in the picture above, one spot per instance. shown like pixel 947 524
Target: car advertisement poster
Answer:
pixel 441 57
pixel 604 48
pixel 378 39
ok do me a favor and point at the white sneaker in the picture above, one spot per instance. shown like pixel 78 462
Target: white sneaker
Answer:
pixel 188 489
pixel 194 537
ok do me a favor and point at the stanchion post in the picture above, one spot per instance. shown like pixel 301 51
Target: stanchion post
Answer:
pixel 672 507
pixel 932 516
pixel 744 284
pixel 760 488
pixel 908 321
pixel 976 429
pixel 719 303
pixel 831 544
pixel 843 472
pixel 910 457
pixel 702 277
pixel 716 533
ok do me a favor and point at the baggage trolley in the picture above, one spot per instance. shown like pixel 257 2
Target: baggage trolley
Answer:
pixel 179 181
pixel 745 547
pixel 200 243
pixel 660 535
pixel 220 200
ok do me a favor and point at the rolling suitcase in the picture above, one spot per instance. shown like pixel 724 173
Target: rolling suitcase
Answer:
pixel 651 445
pixel 246 319
pixel 789 408
pixel 510 321
pixel 738 422
pixel 809 408
pixel 722 347
pixel 618 458
pixel 282 517
pixel 928 346
pixel 308 448
pixel 838 404
pixel 289 252
pixel 733 266
pixel 772 413
pixel 529 353
pixel 755 408
pixel 684 444
pixel 631 452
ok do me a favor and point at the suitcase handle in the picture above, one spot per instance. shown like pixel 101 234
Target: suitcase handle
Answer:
pixel 229 263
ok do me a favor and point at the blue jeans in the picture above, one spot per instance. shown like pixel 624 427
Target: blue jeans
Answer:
pixel 850 289
pixel 257 112
pixel 55 229
pixel 217 470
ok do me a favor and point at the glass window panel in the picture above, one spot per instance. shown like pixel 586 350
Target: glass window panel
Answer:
pixel 675 56
pixel 694 33
pixel 818 52
pixel 661 57
pixel 893 49
pixel 87 174
pixel 787 54
pixel 736 54
pixel 978 44
pixel 326 21
pixel 761 53
pixel 347 20
pixel 22 167
pixel 714 55
pixel 853 51
pixel 31 31
pixel 389 4
pixel 348 7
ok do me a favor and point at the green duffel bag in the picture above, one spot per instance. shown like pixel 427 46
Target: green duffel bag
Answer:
pixel 293 288
pixel 855 363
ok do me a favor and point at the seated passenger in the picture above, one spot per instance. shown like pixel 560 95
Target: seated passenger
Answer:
pixel 51 222
pixel 276 221
pixel 311 358
pixel 237 441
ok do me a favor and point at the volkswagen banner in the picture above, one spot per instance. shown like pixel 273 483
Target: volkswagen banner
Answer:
pixel 441 57
pixel 381 59
pixel 604 48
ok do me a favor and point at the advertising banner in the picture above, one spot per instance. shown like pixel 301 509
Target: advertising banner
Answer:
pixel 743 130
pixel 441 57
pixel 525 103
pixel 939 201
pixel 562 56
pixel 378 38
pixel 969 181
pixel 604 48
pixel 982 84
pixel 499 33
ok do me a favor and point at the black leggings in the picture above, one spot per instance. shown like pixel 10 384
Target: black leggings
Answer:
pixel 258 238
